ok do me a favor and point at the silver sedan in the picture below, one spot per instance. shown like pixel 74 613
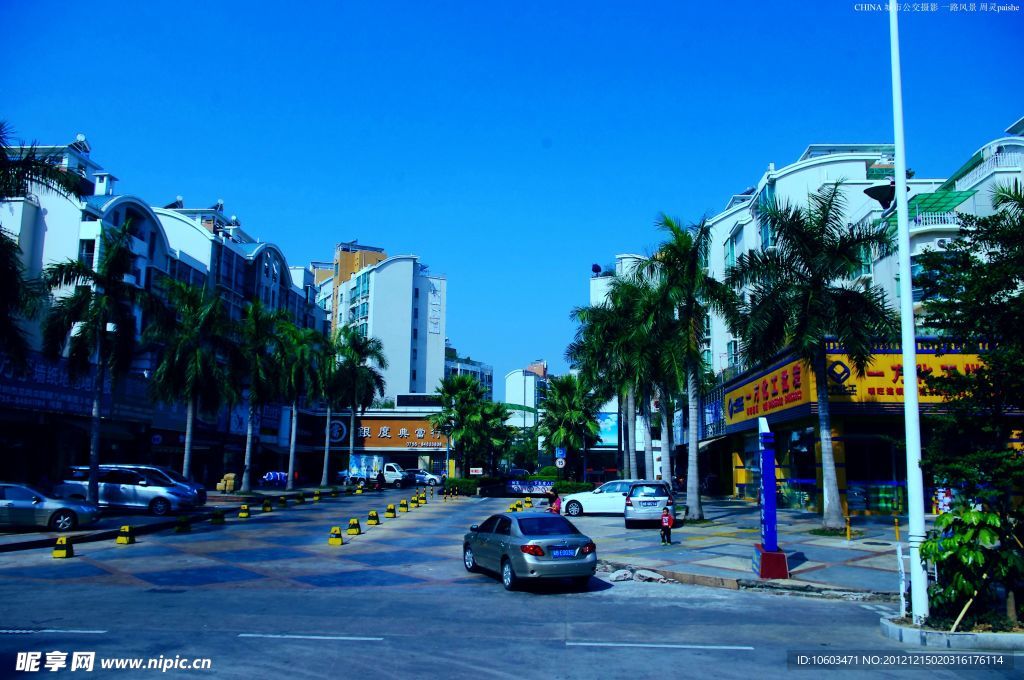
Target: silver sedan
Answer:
pixel 530 545
pixel 22 505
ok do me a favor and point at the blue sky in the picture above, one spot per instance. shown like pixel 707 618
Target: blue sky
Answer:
pixel 508 144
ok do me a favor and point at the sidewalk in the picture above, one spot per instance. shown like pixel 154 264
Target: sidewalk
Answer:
pixel 111 521
pixel 714 553
pixel 719 551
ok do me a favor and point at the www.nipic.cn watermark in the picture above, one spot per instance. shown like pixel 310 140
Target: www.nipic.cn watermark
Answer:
pixel 30 662
pixel 978 7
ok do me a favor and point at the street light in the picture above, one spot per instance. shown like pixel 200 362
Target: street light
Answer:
pixel 911 414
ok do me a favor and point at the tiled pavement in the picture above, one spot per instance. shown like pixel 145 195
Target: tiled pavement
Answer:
pixel 723 548
pixel 288 548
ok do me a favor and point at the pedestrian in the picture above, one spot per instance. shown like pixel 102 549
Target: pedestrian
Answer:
pixel 667 520
pixel 380 480
pixel 555 504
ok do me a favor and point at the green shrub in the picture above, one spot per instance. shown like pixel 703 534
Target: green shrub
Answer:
pixel 542 478
pixel 564 487
pixel 467 486
pixel 548 471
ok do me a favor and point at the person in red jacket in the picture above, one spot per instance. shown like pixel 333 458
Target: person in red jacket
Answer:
pixel 667 520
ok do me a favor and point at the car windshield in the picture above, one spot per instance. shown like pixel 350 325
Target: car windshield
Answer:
pixel 546 526
pixel 649 490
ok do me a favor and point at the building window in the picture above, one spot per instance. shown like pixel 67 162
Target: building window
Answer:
pixel 416 293
pixel 87 251
pixel 734 352
pixel 415 333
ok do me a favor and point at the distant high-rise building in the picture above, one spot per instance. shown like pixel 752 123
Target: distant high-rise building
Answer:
pixel 456 365
pixel 524 393
pixel 399 302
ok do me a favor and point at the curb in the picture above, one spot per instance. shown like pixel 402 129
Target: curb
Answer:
pixel 728 583
pixel 912 635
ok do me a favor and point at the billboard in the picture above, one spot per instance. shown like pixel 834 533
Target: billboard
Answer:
pixel 608 424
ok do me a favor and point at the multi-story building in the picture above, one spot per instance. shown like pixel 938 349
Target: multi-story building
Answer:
pixel 398 301
pixel 456 365
pixel 46 410
pixel 866 412
pixel 526 387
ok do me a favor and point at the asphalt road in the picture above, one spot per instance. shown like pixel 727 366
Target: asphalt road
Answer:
pixel 443 624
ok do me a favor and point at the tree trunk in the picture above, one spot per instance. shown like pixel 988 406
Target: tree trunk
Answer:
pixel 327 448
pixel 351 435
pixel 94 438
pixel 623 432
pixel 246 478
pixel 645 412
pixel 190 411
pixel 631 418
pixel 666 443
pixel 1011 605
pixel 694 508
pixel 290 484
pixel 832 511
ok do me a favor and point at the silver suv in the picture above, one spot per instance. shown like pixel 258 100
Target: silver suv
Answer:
pixel 646 499
pixel 132 487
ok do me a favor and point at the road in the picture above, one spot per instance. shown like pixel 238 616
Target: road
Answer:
pixel 271 600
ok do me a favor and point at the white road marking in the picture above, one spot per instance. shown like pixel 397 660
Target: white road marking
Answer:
pixel 656 646
pixel 35 631
pixel 311 637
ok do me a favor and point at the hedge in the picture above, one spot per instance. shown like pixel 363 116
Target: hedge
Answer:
pixel 565 486
pixel 467 486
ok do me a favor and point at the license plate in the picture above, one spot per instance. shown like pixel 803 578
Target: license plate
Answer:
pixel 648 504
pixel 561 553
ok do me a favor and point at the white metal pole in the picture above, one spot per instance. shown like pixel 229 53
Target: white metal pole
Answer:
pixel 911 411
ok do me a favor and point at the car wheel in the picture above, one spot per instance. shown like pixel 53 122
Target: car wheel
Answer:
pixel 574 509
pixel 398 484
pixel 508 575
pixel 630 524
pixel 431 482
pixel 160 507
pixel 469 560
pixel 63 520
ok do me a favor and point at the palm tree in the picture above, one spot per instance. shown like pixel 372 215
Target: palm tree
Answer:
pixel 802 293
pixel 361 357
pixel 258 344
pixel 570 417
pixel 95 321
pixel 193 336
pixel 333 388
pixel 21 171
pixel 690 294
pixel 299 355
pixel 496 434
pixel 600 352
pixel 461 415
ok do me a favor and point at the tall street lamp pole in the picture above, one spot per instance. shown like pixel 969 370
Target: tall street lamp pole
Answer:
pixel 911 412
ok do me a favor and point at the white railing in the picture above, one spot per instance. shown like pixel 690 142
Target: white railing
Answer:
pixel 929 219
pixel 999 160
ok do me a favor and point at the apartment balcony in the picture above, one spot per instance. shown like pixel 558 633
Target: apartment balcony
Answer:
pixel 933 219
pixel 988 166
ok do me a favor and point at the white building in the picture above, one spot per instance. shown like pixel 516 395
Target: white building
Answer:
pixel 456 365
pixel 401 304
pixel 526 387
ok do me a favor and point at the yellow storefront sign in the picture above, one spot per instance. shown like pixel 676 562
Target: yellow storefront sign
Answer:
pixel 393 433
pixel 792 384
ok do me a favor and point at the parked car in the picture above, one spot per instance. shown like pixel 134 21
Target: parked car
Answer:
pixel 528 546
pixel 610 497
pixel 167 475
pixel 22 505
pixel 645 501
pixel 125 487
pixel 423 477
